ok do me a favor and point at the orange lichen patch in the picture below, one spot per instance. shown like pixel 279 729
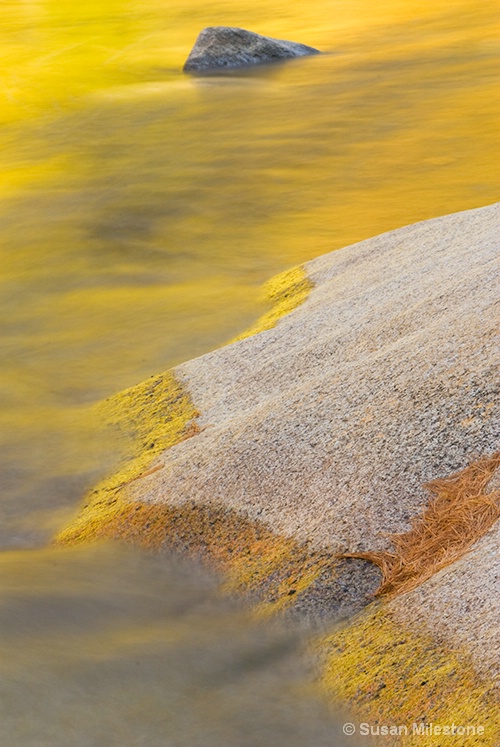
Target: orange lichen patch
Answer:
pixel 256 561
pixel 191 430
pixel 459 515
pixel 391 675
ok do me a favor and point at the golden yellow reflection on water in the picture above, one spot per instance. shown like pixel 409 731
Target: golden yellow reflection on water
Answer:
pixel 141 209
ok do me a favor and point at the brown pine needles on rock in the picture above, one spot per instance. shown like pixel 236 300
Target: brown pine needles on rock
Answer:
pixel 460 513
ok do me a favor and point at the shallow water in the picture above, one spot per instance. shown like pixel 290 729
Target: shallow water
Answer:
pixel 166 663
pixel 141 209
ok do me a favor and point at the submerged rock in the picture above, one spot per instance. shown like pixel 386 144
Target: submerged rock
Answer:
pixel 226 47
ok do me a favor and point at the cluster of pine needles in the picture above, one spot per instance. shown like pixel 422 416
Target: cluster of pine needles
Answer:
pixel 460 512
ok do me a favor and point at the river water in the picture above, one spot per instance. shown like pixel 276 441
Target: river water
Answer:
pixel 140 210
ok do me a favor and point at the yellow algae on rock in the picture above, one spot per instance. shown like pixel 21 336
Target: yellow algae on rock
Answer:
pixel 147 418
pixel 255 560
pixel 153 416
pixel 150 418
pixel 393 676
pixel 285 292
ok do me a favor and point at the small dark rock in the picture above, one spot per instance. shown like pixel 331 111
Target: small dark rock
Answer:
pixel 224 47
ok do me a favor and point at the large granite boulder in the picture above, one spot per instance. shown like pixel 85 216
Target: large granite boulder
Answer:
pixel 225 47
pixel 359 422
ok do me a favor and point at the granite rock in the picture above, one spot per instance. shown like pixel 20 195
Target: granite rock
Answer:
pixel 220 47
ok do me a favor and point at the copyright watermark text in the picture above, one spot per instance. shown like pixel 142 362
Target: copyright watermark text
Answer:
pixel 416 729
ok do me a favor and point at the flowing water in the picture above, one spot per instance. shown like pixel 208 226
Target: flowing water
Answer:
pixel 105 647
pixel 140 210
